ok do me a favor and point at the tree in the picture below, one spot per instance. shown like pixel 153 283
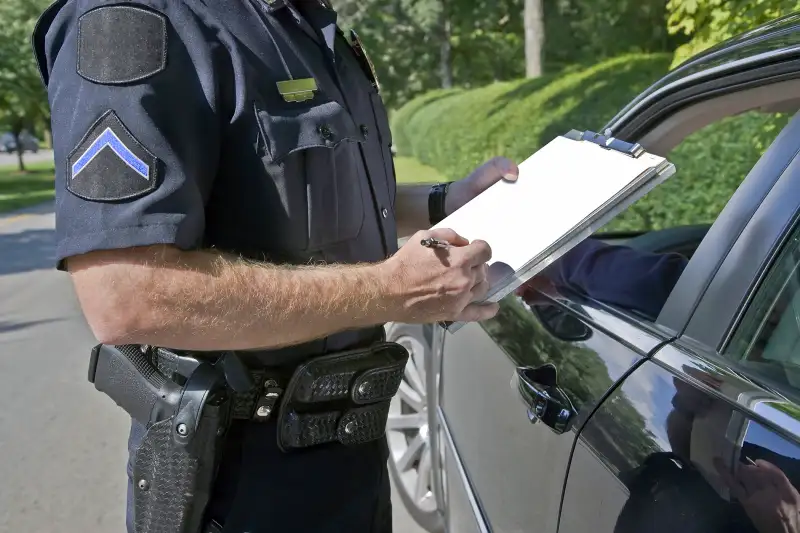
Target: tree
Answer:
pixel 534 38
pixel 709 22
pixel 419 45
pixel 590 31
pixel 23 99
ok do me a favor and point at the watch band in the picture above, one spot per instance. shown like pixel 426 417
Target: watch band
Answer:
pixel 436 197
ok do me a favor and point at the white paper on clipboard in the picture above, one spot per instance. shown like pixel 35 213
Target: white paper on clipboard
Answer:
pixel 566 191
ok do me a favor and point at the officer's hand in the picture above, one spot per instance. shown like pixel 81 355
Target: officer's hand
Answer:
pixel 483 177
pixel 433 285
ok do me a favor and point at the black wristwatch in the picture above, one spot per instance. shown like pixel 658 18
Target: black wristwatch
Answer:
pixel 436 212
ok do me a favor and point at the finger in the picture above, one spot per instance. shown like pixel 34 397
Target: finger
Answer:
pixel 446 234
pixel 774 474
pixel 505 168
pixel 478 312
pixel 752 478
pixel 480 272
pixel 736 488
pixel 477 252
pixel 480 291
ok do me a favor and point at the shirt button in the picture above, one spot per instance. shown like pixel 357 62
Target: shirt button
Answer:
pixel 325 131
pixel 364 130
pixel 385 212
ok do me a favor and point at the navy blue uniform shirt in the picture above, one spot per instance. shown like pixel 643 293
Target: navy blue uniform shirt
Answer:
pixel 169 128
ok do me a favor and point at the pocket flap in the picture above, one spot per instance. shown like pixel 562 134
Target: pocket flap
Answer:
pixel 289 129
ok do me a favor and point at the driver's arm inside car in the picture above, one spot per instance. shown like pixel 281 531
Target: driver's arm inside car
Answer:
pixel 619 276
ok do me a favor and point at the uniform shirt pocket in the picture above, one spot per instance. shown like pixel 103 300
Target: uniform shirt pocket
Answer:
pixel 314 160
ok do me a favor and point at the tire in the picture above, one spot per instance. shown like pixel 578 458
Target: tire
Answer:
pixel 408 431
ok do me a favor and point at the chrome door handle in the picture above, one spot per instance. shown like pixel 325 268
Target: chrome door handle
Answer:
pixel 546 402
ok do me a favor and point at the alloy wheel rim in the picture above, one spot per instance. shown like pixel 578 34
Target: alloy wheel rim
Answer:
pixel 407 430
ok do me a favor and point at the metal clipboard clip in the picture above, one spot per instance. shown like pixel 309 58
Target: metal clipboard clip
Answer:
pixel 607 142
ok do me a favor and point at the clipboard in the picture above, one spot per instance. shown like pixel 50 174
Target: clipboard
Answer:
pixel 565 192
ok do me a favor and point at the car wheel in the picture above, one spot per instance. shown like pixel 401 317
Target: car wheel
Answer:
pixel 408 432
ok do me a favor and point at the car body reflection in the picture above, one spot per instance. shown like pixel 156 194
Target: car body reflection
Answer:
pixel 710 463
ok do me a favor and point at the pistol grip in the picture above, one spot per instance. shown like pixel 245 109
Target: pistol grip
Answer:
pixel 128 377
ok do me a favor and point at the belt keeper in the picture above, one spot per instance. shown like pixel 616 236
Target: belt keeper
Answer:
pixel 266 402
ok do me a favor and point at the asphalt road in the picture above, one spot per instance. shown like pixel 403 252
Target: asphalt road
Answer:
pixel 62 444
pixel 27 157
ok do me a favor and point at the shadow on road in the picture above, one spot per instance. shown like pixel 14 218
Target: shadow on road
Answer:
pixel 27 250
pixel 8 327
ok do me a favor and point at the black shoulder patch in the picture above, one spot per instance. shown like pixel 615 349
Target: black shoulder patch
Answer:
pixel 121 44
pixel 109 164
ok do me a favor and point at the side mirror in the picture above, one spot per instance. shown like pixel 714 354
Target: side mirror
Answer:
pixel 561 324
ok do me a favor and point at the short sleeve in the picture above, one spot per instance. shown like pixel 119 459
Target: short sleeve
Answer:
pixel 135 123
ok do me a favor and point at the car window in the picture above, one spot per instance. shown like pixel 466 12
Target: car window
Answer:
pixel 711 163
pixel 766 342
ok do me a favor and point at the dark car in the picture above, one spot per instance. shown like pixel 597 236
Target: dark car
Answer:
pixel 573 415
pixel 9 145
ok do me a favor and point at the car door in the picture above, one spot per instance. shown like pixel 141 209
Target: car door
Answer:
pixel 506 464
pixel 718 443
pixel 505 472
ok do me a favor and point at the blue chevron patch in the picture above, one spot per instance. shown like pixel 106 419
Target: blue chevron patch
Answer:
pixel 108 139
pixel 109 164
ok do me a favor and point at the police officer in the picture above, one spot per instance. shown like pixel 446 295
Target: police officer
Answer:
pixel 225 182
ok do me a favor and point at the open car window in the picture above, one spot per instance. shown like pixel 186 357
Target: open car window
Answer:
pixel 711 164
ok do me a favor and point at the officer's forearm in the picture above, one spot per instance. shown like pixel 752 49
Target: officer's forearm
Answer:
pixel 205 301
pixel 411 209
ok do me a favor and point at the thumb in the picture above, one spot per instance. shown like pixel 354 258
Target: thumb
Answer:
pixel 449 235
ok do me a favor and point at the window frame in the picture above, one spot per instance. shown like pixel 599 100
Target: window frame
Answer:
pixel 718 283
pixel 729 352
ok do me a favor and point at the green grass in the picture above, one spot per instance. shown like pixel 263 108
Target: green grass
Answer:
pixel 409 170
pixel 18 190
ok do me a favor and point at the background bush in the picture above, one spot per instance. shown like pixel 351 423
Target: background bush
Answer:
pixel 454 131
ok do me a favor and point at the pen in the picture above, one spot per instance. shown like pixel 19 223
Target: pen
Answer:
pixel 434 243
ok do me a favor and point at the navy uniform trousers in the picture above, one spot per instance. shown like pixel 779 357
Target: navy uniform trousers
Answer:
pixel 263 490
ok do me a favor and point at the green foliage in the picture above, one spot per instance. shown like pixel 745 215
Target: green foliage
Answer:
pixel 403 37
pixel 23 99
pixel 711 163
pixel 586 31
pixel 454 131
pixel 709 22
pixel 487 38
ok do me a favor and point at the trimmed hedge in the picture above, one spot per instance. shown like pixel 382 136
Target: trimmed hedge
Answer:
pixel 456 130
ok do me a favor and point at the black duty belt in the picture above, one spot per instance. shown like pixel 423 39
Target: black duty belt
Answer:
pixel 342 397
